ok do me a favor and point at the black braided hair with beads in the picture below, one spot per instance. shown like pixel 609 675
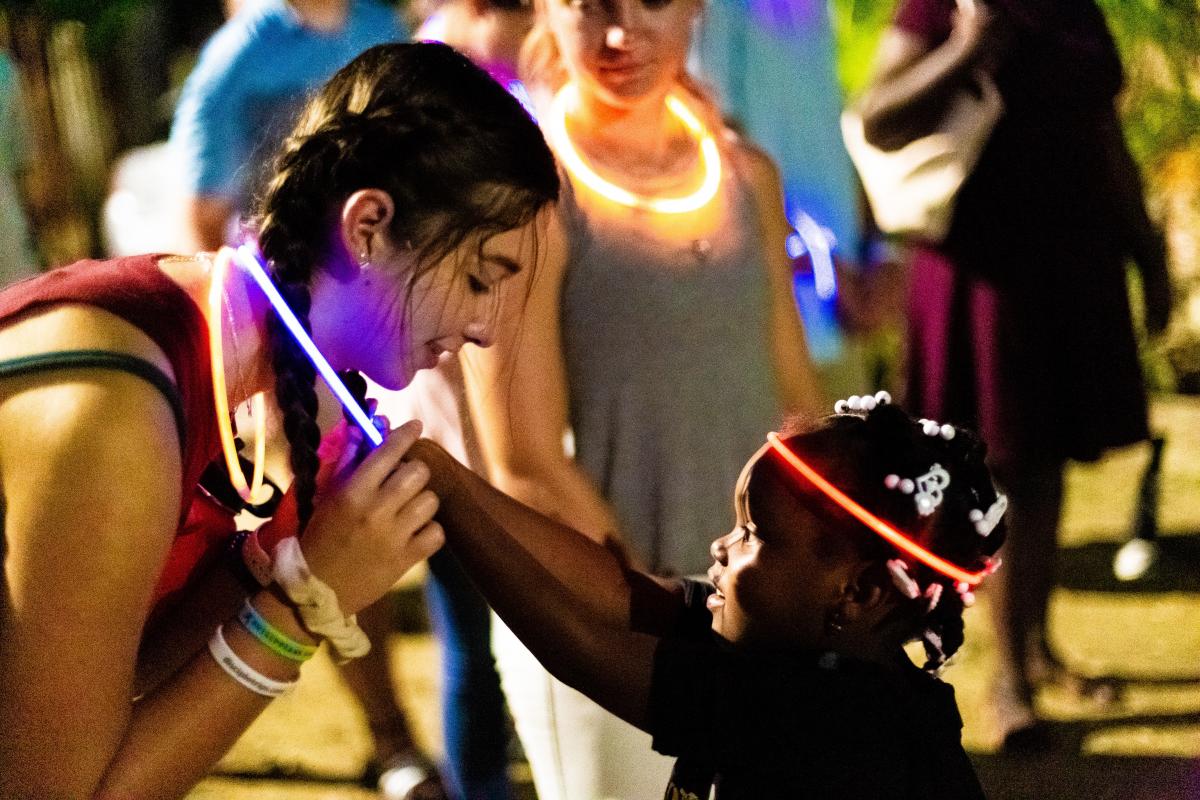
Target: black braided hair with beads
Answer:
pixel 856 451
pixel 460 158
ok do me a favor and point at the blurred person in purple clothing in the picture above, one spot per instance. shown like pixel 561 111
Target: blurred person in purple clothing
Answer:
pixel 1019 321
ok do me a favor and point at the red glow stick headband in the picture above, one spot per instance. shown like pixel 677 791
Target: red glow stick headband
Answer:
pixel 893 536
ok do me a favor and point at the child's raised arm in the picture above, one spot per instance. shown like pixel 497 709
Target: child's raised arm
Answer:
pixel 570 600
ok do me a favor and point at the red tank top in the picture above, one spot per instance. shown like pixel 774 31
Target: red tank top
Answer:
pixel 137 291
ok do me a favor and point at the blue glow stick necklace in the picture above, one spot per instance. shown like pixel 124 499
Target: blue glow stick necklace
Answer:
pixel 248 258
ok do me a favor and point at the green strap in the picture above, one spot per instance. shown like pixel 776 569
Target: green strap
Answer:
pixel 101 359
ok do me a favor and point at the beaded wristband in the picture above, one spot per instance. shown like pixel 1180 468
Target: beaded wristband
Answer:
pixel 274 639
pixel 242 672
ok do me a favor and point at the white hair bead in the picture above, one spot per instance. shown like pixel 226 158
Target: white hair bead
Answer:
pixel 868 403
pixel 907 486
pixel 976 515
pixel 855 403
pixel 931 428
pixel 924 505
pixel 892 481
pixel 882 397
pixel 840 407
pixel 947 432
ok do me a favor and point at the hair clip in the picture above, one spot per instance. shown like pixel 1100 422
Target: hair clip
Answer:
pixel 986 523
pixel 929 488
pixel 867 402
pixel 934 428
pixel 904 582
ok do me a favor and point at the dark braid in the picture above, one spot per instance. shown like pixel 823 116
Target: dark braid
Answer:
pixel 290 213
pixel 856 451
pixel 459 157
pixel 294 390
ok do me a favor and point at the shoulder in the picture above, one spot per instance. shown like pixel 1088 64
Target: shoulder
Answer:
pixel 99 445
pixel 238 45
pixel 758 169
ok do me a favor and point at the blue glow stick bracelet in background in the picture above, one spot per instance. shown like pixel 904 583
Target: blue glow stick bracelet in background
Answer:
pixel 248 259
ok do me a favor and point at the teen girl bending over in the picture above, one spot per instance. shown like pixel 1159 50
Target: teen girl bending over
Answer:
pixel 130 658
pixel 785 676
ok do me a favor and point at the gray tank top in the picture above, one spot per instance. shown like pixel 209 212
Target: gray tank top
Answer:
pixel 668 367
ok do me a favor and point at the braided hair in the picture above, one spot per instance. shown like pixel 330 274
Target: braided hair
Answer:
pixel 856 452
pixel 459 157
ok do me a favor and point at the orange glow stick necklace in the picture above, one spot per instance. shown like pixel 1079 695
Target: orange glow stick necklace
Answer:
pixel 252 493
pixel 873 522
pixel 710 158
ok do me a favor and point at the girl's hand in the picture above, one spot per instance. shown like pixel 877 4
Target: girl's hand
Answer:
pixel 373 521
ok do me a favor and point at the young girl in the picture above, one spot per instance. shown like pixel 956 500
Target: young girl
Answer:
pixel 784 676
pixel 398 207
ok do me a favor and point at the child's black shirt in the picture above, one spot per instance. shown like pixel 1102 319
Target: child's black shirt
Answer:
pixel 797 726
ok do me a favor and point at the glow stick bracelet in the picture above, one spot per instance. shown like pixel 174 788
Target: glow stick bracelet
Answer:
pixel 248 259
pixel 873 522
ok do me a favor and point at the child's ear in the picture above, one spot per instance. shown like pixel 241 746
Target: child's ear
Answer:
pixel 864 593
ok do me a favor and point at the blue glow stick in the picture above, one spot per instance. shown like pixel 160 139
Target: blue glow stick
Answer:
pixel 813 238
pixel 247 258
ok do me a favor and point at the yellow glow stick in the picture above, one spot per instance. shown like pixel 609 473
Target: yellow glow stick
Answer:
pixel 710 158
pixel 252 494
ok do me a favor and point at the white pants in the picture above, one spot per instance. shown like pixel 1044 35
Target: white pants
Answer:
pixel 576 749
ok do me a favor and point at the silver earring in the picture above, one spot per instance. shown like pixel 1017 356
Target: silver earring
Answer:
pixel 364 259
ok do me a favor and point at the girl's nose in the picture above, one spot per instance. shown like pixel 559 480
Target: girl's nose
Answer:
pixel 481 333
pixel 614 37
pixel 718 550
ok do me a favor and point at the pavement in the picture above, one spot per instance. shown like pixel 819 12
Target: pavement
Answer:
pixel 1140 639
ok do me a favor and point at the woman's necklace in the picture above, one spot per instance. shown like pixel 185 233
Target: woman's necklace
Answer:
pixel 253 493
pixel 710 158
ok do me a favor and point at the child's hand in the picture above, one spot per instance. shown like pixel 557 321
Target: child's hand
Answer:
pixel 373 520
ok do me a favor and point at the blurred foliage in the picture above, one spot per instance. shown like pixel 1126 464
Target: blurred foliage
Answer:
pixel 1159 41
pixel 104 20
pixel 857 24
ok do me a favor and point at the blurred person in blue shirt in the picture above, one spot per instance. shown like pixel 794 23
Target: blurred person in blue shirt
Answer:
pixel 250 80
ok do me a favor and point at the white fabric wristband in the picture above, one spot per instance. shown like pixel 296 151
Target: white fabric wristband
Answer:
pixel 242 672
pixel 317 603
